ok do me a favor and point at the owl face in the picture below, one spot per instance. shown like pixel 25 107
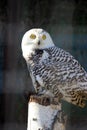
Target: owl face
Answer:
pixel 35 39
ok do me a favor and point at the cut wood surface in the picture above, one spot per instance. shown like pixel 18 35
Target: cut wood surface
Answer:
pixel 43 114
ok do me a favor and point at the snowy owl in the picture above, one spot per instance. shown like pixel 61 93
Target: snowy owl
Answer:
pixel 54 72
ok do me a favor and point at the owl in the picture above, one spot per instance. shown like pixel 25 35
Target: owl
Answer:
pixel 54 72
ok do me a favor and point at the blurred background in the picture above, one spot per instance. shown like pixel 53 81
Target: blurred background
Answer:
pixel 66 21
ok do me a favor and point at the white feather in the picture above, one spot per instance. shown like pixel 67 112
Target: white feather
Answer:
pixel 39 79
pixel 44 56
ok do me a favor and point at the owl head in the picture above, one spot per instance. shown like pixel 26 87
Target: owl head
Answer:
pixel 36 39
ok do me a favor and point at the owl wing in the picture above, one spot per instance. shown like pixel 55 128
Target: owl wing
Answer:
pixel 66 76
pixel 61 65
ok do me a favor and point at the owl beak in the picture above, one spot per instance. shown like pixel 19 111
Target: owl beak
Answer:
pixel 38 42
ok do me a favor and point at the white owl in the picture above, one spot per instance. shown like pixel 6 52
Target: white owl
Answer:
pixel 54 72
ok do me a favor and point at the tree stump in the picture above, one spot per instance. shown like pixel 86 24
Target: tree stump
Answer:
pixel 43 114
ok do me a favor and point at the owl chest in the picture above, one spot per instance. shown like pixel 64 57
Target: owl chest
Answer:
pixel 35 57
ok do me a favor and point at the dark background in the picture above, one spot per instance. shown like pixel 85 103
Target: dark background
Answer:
pixel 66 21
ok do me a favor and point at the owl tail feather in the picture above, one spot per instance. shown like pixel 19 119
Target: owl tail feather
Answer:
pixel 79 98
pixel 82 98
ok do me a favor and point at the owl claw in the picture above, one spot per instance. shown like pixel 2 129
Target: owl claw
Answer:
pixel 46 101
pixel 57 107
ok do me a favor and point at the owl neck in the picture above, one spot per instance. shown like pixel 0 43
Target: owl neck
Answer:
pixel 39 51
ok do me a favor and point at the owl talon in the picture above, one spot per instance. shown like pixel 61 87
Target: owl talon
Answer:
pixel 45 101
pixel 57 107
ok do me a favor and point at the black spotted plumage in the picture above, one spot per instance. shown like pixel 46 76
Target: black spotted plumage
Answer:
pixel 54 72
pixel 61 75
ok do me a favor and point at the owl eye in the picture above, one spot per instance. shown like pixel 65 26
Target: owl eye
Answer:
pixel 32 36
pixel 44 37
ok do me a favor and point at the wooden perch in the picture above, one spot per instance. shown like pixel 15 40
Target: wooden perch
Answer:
pixel 43 114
